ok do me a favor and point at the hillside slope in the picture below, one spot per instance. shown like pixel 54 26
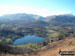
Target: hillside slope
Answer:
pixel 64 45
pixel 52 49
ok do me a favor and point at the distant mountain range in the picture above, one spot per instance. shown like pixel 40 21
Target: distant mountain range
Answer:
pixel 22 16
pixel 61 20
pixel 30 20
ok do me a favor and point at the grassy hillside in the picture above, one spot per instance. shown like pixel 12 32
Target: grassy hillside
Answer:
pixel 52 49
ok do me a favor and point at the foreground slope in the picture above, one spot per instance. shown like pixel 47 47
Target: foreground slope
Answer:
pixel 52 49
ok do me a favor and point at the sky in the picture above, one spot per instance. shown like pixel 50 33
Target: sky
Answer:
pixel 39 7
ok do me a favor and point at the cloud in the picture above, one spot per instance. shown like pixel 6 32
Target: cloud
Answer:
pixel 19 9
pixel 58 13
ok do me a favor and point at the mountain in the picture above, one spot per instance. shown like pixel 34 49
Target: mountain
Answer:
pixel 31 20
pixel 37 17
pixel 27 20
pixel 61 20
pixel 21 16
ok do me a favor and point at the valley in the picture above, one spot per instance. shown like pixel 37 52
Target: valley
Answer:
pixel 44 36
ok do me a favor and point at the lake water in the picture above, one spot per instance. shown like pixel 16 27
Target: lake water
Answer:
pixel 28 39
